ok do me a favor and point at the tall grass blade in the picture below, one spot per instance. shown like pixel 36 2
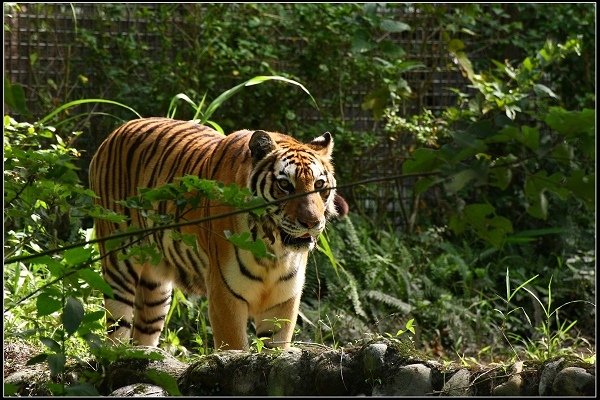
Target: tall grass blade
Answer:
pixel 84 101
pixel 212 107
pixel 173 104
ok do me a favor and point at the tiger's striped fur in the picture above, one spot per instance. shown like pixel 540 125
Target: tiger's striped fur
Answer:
pixel 150 152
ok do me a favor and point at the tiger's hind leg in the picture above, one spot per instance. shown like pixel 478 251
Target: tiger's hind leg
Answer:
pixel 122 276
pixel 152 302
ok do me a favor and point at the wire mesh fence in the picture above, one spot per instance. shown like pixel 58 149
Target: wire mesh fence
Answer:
pixel 41 51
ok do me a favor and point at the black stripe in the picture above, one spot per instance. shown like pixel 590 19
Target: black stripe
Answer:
pixel 157 302
pixel 149 153
pixel 131 271
pixel 229 287
pixel 185 151
pixel 173 141
pixel 153 320
pixel 121 322
pixel 207 149
pixel 121 299
pixel 146 331
pixel 148 285
pixel 245 270
pixel 224 151
pixel 120 282
pixel 146 128
pixel 176 257
pixel 279 304
pixel 195 261
pixel 290 275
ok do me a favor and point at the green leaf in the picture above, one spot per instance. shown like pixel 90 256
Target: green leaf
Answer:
pixel 409 325
pixel 77 255
pixel 37 359
pixel 55 267
pixel 81 389
pixel 51 344
pixel 95 280
pixel 10 389
pixel 455 45
pixel 539 88
pixel 324 248
pixel 422 160
pixel 481 218
pixel 563 153
pixel 389 25
pixel 361 42
pixel 583 186
pixel 506 134
pixel 500 177
pixel 47 304
pixel 72 315
pixel 530 137
pixel 532 234
pixel 14 97
pixel 571 123
pixel 456 48
pixel 376 101
pixel 165 381
pixel 477 212
pixel 244 241
pixel 56 362
pixel 93 316
pixel 425 183
pixel 460 179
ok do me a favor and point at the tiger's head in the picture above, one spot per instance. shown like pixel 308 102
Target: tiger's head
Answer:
pixel 284 167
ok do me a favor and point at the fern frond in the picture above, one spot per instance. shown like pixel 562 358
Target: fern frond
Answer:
pixel 389 300
pixel 352 290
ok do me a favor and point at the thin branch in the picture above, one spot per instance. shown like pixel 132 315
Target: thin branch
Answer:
pixel 210 218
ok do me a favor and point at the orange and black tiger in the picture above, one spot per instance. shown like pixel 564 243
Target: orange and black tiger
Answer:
pixel 150 152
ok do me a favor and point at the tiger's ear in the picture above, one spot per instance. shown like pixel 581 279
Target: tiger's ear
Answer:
pixel 322 144
pixel 260 145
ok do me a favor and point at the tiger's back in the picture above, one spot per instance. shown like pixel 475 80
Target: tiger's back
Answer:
pixel 154 151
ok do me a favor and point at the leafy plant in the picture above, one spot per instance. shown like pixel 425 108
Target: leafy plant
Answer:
pixel 551 343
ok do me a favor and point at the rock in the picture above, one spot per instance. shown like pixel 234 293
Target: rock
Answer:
pixel 374 355
pixel 132 368
pixel 547 377
pixel 513 386
pixel 459 384
pixel 30 381
pixel 574 381
pixel 410 380
pixel 140 390
pixel 332 374
pixel 286 375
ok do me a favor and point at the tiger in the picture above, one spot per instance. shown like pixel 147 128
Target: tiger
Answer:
pixel 239 286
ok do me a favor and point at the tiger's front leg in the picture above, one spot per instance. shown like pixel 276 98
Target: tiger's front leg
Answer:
pixel 278 323
pixel 228 315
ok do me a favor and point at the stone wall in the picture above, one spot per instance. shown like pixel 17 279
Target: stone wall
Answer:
pixel 381 368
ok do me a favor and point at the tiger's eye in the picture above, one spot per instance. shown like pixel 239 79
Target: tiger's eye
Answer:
pixel 320 184
pixel 284 184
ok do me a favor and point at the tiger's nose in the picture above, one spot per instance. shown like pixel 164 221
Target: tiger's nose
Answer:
pixel 309 223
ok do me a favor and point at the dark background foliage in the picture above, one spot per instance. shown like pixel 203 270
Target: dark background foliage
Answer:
pixel 496 100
